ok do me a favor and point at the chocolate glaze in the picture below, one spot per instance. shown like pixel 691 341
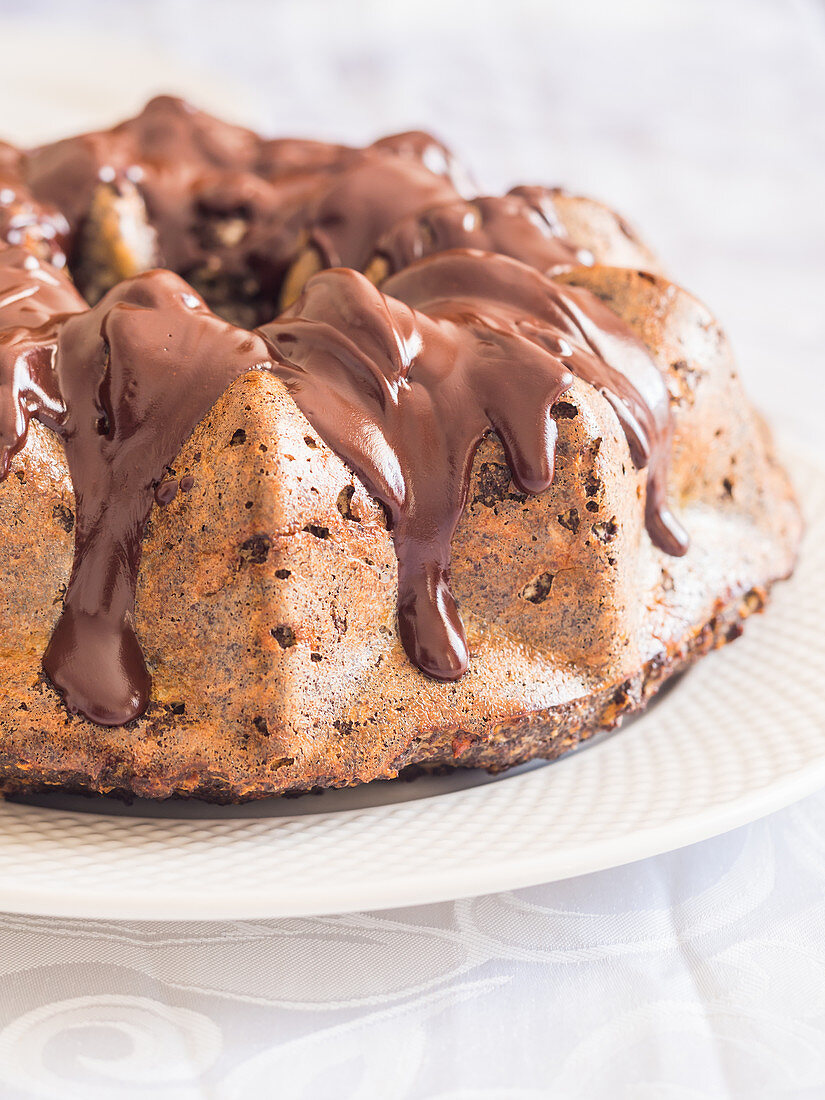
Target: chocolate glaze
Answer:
pixel 231 211
pixel 167 490
pixel 168 154
pixel 367 199
pixel 34 298
pixel 423 148
pixel 38 226
pixel 124 385
pixel 522 224
pixel 244 232
pixel 405 395
pixel 169 140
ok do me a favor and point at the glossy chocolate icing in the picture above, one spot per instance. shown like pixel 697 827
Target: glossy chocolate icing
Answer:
pixel 405 396
pixel 522 224
pixel 34 298
pixel 403 385
pixel 123 385
pixel 245 231
pixel 38 226
pixel 364 201
pixel 231 211
pixel 167 146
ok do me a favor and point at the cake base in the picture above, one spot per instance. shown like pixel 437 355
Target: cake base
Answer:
pixel 542 734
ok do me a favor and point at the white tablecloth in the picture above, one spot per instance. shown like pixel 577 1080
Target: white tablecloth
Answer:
pixel 696 974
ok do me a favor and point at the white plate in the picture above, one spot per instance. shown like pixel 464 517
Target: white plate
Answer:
pixel 741 735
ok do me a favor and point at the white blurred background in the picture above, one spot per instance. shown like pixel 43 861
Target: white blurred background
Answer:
pixel 702 120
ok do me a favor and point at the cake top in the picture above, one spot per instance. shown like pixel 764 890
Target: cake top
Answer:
pixel 230 210
pixel 402 382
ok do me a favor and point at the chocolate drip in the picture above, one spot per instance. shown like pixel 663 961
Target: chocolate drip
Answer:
pixel 522 224
pixel 138 372
pixel 405 395
pixel 124 385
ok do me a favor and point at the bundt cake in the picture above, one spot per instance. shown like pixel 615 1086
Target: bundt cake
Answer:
pixel 314 466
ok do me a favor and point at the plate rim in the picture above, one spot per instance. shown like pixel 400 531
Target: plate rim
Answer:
pixel 443 884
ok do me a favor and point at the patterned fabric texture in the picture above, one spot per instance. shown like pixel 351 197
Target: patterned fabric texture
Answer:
pixel 699 974
pixel 693 975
